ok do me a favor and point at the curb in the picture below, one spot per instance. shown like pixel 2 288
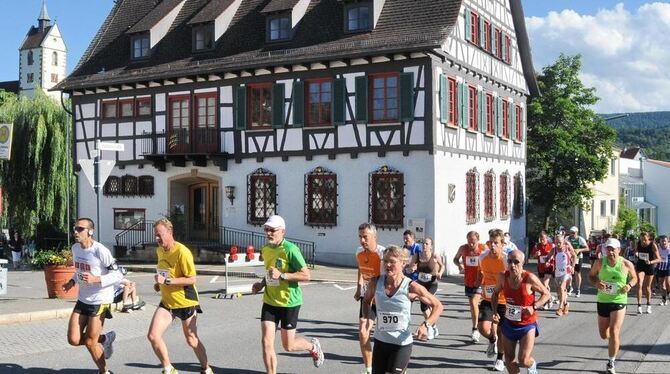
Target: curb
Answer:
pixel 35 316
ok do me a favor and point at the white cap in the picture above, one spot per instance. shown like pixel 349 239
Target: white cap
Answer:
pixel 614 243
pixel 275 222
pixel 574 229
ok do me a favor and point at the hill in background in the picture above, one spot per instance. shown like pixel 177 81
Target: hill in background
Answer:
pixel 649 130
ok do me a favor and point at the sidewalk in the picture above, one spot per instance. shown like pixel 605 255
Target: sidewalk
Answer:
pixel 26 299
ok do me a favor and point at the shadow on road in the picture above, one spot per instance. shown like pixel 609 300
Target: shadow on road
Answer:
pixel 16 369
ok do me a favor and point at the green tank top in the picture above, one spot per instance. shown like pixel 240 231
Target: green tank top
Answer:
pixel 615 279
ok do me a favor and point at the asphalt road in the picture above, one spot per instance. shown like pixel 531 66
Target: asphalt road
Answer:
pixel 230 330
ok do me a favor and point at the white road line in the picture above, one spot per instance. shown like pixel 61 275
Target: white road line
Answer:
pixel 344 288
pixel 214 278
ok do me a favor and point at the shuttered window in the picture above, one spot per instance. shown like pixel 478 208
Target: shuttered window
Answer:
pixel 319 102
pixel 490 127
pixel 260 105
pixel 472 108
pixel 384 97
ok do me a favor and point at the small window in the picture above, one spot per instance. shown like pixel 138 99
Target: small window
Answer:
pixel 472 196
pixel 505 119
pixel 498 42
pixel 453 102
pixel 260 105
pixel 203 37
pixel 508 49
pixel 319 102
pixel 30 77
pixel 387 198
pixel 489 196
pixel 109 109
pixel 143 106
pixel 384 93
pixel 519 123
pixel 613 167
pixel 125 219
pixel 490 127
pixel 261 196
pixel 613 207
pixel 54 59
pixel 126 108
pixel 128 185
pixel 603 208
pixel 140 46
pixel 505 189
pixel 112 186
pixel 279 27
pixel 358 17
pixel 321 198
pixel 472 107
pixel 519 198
pixel 474 28
pixel 146 185
pixel 31 59
pixel 54 78
pixel 487 36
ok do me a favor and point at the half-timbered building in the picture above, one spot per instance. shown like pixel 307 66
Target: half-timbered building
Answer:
pixel 328 112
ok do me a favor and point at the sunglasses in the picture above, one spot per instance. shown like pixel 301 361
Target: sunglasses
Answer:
pixel 80 229
pixel 515 262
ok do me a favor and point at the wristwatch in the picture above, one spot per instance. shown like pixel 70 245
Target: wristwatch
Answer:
pixel 282 276
pixel 168 281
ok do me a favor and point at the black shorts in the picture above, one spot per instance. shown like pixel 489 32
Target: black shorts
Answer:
pixel 661 273
pixel 182 313
pixel 604 309
pixel 104 310
pixel 472 291
pixel 373 311
pixel 287 316
pixel 486 311
pixel 390 358
pixel 578 267
pixel 432 288
pixel 541 274
pixel 641 267
pixel 118 298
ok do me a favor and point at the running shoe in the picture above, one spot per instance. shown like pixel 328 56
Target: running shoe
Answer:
pixel 127 308
pixel 139 305
pixel 172 371
pixel 208 371
pixel 648 309
pixel 492 349
pixel 579 293
pixel 475 336
pixel 317 353
pixel 107 347
pixel 570 291
pixel 663 303
pixel 430 333
pixel 499 365
pixel 566 309
pixel 610 368
pixel 559 311
pixel 639 309
pixel 436 331
pixel 533 368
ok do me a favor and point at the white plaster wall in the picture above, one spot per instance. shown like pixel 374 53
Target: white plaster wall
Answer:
pixel 657 179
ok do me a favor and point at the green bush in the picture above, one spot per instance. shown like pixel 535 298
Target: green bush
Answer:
pixel 46 257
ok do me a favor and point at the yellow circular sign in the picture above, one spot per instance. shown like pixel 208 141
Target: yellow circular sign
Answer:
pixel 4 134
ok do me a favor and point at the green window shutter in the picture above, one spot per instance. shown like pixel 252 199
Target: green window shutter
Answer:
pixel 481 105
pixel 339 101
pixel 499 113
pixel 459 105
pixel 278 106
pixel 298 103
pixel 466 15
pixel 466 105
pixel 362 99
pixel 482 37
pixel 444 99
pixel 241 108
pixel 493 40
pixel 512 110
pixel 406 97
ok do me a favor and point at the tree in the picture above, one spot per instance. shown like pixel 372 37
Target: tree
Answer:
pixel 569 146
pixel 34 180
pixel 627 222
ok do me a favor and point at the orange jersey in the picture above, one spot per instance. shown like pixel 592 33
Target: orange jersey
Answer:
pixel 543 253
pixel 370 262
pixel 470 263
pixel 490 268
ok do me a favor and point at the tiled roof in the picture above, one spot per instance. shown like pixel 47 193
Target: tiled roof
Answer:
pixel 154 16
pixel 35 37
pixel 210 11
pixel 10 86
pixel 279 5
pixel 630 153
pixel 660 163
pixel 403 26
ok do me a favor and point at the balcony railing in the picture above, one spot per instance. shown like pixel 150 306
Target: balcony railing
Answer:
pixel 181 141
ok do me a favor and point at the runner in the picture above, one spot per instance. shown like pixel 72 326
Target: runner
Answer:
pixel 394 294
pixel 413 247
pixel 520 319
pixel 126 292
pixel 545 269
pixel 430 269
pixel 662 268
pixel 647 258
pixel 491 264
pixel 564 259
pixel 175 278
pixel 369 258
pixel 282 297
pixel 467 260
pixel 508 244
pixel 96 274
pixel 614 277
pixel 579 245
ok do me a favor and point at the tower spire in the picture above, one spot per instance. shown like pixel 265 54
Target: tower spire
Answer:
pixel 44 19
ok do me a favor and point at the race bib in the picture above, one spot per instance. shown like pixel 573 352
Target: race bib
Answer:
pixel 472 260
pixel 561 271
pixel 425 277
pixel 513 312
pixel 610 288
pixel 488 290
pixel 269 281
pixel 543 259
pixel 643 256
pixel 391 321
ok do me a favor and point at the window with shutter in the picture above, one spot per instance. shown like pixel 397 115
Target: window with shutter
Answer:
pixel 472 108
pixel 384 97
pixel 260 106
pixel 505 190
pixel 444 99
pixel 362 99
pixel 472 196
pixel 261 196
pixel 490 129
pixel 453 102
pixel 340 101
pixel 319 102
pixel 321 198
pixel 278 105
pixel 489 196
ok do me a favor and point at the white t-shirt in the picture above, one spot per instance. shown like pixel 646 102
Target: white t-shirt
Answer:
pixel 98 261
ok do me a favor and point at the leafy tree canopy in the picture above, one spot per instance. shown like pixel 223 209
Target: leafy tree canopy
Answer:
pixel 569 145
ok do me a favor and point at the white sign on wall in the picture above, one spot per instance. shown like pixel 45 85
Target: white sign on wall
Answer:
pixel 5 141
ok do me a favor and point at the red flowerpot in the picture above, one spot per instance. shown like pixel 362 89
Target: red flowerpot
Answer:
pixel 56 276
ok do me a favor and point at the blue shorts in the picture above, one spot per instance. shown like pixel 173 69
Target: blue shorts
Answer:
pixel 516 332
pixel 472 291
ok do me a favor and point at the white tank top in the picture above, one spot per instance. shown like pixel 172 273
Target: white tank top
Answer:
pixel 393 314
pixel 562 267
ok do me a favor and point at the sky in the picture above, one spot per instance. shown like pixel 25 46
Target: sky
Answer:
pixel 623 43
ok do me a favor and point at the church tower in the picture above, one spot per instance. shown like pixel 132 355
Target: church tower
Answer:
pixel 43 57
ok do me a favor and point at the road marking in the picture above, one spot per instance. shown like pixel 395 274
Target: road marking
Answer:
pixel 214 278
pixel 344 288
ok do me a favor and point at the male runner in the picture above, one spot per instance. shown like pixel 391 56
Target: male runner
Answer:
pixel 579 245
pixel 545 269
pixel 467 260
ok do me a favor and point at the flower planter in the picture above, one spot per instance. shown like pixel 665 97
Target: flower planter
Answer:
pixel 57 275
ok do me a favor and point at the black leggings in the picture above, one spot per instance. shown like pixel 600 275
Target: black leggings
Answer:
pixel 390 358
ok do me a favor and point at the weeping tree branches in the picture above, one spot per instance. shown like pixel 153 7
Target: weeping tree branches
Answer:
pixel 35 180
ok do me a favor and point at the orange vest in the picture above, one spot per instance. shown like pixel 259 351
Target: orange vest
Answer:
pixel 469 270
pixel 490 268
pixel 369 263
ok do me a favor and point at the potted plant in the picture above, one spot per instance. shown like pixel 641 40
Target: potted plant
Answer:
pixel 58 269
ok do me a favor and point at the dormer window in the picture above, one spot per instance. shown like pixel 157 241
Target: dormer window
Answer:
pixel 203 37
pixel 357 17
pixel 140 46
pixel 279 27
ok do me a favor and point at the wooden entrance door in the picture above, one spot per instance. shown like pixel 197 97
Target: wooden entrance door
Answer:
pixel 204 211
